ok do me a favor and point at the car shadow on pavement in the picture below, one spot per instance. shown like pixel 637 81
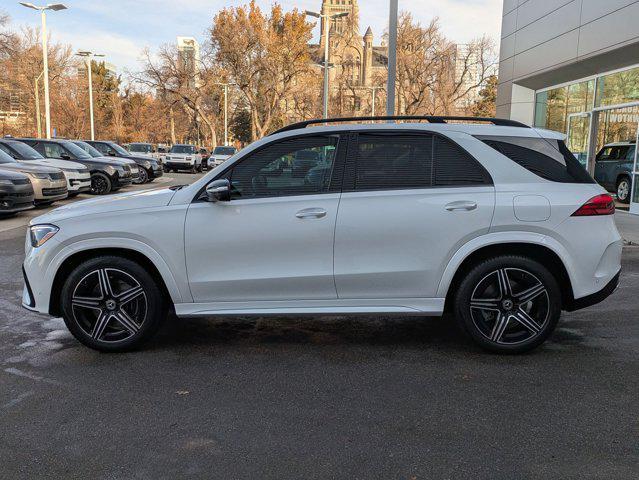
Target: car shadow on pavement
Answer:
pixel 326 330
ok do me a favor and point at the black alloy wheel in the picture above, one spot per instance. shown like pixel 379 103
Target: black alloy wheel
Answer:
pixel 509 304
pixel 100 184
pixel 111 304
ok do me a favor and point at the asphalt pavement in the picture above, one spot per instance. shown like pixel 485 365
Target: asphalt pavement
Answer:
pixel 319 398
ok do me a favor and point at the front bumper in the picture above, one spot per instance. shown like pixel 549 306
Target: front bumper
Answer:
pixel 179 165
pixel 156 172
pixel 16 198
pixel 119 181
pixel 46 191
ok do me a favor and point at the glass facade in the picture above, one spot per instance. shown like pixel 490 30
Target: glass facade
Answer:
pixel 552 107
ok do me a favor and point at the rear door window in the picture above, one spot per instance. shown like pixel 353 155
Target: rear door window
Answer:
pixel 546 157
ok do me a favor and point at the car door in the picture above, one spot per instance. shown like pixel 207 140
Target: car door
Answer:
pixel 274 239
pixel 409 200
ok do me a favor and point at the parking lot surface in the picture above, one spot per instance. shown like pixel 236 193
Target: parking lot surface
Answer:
pixel 319 398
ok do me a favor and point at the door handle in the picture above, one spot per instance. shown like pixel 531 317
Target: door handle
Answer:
pixel 311 213
pixel 461 205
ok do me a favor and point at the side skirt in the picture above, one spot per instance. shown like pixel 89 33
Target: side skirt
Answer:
pixel 404 306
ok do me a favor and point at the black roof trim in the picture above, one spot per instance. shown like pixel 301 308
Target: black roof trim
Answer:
pixel 502 122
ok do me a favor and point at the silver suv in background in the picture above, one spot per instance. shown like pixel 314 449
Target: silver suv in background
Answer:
pixel 220 155
pixel 183 157
pixel 49 184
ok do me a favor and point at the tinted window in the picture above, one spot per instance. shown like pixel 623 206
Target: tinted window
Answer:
pixel 88 148
pixel 548 158
pixel 393 161
pixel 76 151
pixel 224 151
pixel 453 166
pixel 140 147
pixel 292 167
pixel 101 147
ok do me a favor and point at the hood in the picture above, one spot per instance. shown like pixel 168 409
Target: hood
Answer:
pixel 108 204
pixel 56 163
pixel 121 160
pixel 24 167
pixel 11 175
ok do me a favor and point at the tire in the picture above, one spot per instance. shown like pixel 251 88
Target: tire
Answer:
pixel 144 176
pixel 527 304
pixel 100 184
pixel 112 304
pixel 623 189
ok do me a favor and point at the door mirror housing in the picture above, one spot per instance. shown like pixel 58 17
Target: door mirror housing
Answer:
pixel 112 153
pixel 219 191
pixel 65 156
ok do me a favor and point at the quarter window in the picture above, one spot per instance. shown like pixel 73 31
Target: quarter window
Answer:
pixel 292 167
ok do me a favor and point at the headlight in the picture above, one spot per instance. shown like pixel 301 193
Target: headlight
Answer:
pixel 40 176
pixel 40 234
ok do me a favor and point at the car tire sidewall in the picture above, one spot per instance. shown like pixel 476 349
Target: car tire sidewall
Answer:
pixel 156 306
pixel 144 176
pixel 478 272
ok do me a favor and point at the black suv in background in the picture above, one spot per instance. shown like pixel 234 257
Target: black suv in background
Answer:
pixel 16 193
pixel 150 169
pixel 107 174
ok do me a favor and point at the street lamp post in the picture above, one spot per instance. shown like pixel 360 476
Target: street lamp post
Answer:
pixel 392 58
pixel 226 109
pixel 89 57
pixel 373 99
pixel 37 104
pixel 45 57
pixel 327 18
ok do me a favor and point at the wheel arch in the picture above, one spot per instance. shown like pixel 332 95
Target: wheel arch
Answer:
pixel 538 252
pixel 76 258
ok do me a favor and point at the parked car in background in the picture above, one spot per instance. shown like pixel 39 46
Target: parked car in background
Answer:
pixel 112 149
pixel 141 149
pixel 183 157
pixel 497 224
pixel 107 174
pixel 613 168
pixel 16 193
pixel 78 175
pixel 49 184
pixel 220 155
pixel 148 168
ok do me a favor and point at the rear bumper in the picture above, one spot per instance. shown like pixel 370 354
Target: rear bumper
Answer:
pixel 596 297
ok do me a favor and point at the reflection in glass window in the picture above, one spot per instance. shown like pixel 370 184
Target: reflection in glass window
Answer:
pixel 617 88
pixel 554 106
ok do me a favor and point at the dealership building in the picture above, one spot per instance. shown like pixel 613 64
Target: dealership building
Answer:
pixel 573 67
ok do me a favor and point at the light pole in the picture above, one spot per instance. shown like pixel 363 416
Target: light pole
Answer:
pixel 374 95
pixel 45 57
pixel 326 18
pixel 392 58
pixel 89 56
pixel 37 104
pixel 226 109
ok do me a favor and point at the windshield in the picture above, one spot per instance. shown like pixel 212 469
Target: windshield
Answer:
pixel 88 149
pixel 5 157
pixel 182 149
pixel 24 151
pixel 140 147
pixel 118 149
pixel 224 151
pixel 76 151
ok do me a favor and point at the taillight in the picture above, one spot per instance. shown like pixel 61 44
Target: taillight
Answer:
pixel 600 205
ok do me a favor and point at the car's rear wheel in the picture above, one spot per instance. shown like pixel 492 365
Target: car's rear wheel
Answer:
pixel 508 304
pixel 623 190
pixel 112 304
pixel 100 184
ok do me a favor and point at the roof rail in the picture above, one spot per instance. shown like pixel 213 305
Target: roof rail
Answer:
pixel 502 122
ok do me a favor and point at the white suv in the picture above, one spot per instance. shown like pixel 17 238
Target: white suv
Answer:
pixel 183 157
pixel 496 223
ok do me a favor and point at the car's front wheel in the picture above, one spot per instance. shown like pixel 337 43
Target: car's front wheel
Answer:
pixel 623 190
pixel 100 184
pixel 508 304
pixel 112 304
pixel 144 176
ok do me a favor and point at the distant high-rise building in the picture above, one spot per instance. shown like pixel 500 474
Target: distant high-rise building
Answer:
pixel 470 72
pixel 189 59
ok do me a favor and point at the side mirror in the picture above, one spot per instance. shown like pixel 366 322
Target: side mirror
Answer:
pixel 112 153
pixel 219 191
pixel 65 156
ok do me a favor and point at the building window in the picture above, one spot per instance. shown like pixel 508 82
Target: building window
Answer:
pixel 617 88
pixel 552 107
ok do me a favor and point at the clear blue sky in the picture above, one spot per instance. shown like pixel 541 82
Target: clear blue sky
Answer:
pixel 122 28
